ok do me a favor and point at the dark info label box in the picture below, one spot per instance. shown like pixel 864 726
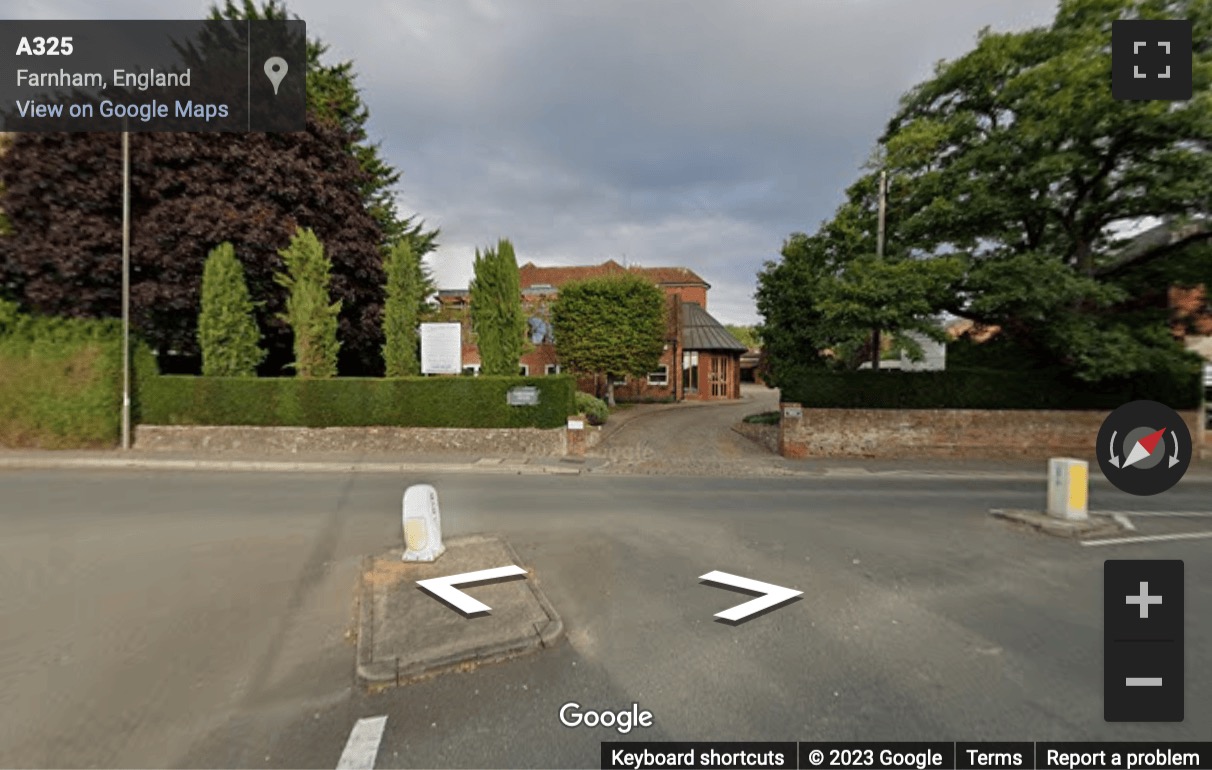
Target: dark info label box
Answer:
pixel 151 76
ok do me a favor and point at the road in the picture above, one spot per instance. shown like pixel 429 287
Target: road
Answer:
pixel 157 619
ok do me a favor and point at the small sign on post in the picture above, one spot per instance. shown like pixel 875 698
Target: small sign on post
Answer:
pixel 422 524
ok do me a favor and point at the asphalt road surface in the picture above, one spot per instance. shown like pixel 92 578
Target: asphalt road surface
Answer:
pixel 203 619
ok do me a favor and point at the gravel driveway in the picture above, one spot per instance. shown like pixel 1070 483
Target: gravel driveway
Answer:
pixel 690 438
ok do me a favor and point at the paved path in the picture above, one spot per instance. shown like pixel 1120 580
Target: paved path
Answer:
pixel 690 438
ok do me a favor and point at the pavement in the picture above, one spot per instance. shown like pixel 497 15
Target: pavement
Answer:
pixel 406 633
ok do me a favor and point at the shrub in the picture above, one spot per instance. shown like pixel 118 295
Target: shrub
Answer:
pixel 429 402
pixel 982 389
pixel 594 408
pixel 61 381
pixel 763 418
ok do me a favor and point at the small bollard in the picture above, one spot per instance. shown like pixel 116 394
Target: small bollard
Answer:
pixel 1068 488
pixel 422 524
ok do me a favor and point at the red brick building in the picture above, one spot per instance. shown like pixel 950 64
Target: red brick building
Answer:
pixel 701 359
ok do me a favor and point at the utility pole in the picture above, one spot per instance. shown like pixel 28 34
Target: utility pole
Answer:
pixel 126 290
pixel 879 253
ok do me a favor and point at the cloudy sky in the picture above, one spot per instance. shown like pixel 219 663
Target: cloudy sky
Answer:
pixel 695 133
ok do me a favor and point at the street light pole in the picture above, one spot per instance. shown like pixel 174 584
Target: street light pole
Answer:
pixel 126 290
pixel 879 253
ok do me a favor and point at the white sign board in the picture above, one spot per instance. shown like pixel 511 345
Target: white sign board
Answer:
pixel 1208 375
pixel 934 355
pixel 441 348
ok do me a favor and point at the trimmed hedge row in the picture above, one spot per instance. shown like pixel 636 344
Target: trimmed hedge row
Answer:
pixel 61 381
pixel 982 389
pixel 421 402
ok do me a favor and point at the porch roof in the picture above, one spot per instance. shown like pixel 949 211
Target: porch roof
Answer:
pixel 702 332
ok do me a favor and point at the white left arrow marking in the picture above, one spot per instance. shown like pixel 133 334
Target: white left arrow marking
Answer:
pixel 444 587
pixel 774 595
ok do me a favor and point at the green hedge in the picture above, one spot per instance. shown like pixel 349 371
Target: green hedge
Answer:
pixel 61 382
pixel 429 402
pixel 982 389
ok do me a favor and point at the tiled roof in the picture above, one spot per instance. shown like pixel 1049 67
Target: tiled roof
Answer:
pixel 702 332
pixel 533 275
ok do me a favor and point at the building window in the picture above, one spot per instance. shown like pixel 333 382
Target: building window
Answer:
pixel 690 371
pixel 660 377
pixel 524 370
pixel 552 369
pixel 618 379
pixel 472 370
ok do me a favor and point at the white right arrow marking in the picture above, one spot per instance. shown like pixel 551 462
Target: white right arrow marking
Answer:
pixel 444 587
pixel 774 595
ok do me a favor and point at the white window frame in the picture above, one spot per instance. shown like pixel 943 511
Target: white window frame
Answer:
pixel 548 369
pixel 523 370
pixel 619 380
pixel 475 369
pixel 663 371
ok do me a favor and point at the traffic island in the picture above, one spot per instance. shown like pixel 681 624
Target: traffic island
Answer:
pixel 1095 525
pixel 406 632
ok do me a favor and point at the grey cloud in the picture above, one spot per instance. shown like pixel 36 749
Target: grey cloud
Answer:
pixel 678 132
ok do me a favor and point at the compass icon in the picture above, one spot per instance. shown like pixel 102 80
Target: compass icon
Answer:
pixel 1144 447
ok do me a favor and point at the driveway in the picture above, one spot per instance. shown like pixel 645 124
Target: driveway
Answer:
pixel 689 438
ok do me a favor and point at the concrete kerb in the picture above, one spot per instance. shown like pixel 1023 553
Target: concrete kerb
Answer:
pixel 1096 525
pixel 52 461
pixel 386 673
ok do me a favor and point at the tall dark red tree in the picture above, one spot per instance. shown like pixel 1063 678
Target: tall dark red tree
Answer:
pixel 189 193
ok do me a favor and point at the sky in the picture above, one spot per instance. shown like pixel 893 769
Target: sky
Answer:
pixel 688 133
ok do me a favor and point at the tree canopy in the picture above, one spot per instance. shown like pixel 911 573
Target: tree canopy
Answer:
pixel 1018 186
pixel 192 191
pixel 613 325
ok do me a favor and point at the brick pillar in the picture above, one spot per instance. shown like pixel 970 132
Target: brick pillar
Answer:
pixel 791 423
pixel 576 436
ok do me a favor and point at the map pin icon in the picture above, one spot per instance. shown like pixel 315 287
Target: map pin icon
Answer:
pixel 275 70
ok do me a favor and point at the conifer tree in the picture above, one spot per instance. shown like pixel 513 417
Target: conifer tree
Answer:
pixel 309 311
pixel 496 310
pixel 227 329
pixel 403 297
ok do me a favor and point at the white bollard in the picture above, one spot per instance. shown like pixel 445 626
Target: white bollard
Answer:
pixel 1068 488
pixel 422 524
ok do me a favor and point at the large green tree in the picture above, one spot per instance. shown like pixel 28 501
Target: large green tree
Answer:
pixel 311 313
pixel 496 310
pixel 610 326
pixel 1017 159
pixel 227 328
pixel 1018 185
pixel 400 311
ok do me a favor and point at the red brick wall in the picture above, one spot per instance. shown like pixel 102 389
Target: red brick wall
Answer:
pixel 689 294
pixel 942 433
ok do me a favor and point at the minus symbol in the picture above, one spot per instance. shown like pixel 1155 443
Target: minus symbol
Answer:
pixel 1144 681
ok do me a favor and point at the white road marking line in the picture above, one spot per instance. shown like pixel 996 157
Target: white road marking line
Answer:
pixel 1157 514
pixel 1150 538
pixel 1123 520
pixel 363 744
